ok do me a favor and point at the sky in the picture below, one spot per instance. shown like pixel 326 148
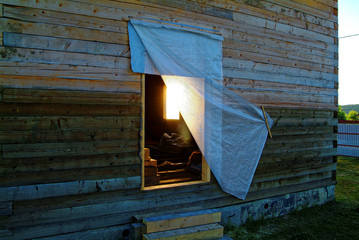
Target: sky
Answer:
pixel 348 52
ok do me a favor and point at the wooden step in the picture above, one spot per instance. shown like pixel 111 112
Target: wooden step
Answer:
pixel 181 220
pixel 202 232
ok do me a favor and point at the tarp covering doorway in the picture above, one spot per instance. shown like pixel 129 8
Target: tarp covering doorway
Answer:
pixel 229 130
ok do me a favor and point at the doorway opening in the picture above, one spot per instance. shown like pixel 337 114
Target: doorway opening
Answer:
pixel 171 155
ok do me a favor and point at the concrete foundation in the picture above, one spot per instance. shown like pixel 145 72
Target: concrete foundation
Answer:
pixel 276 206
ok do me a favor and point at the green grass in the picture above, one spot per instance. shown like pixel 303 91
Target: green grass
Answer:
pixel 347 189
pixel 338 219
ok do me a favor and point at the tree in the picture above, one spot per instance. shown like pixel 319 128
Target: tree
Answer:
pixel 341 114
pixel 353 115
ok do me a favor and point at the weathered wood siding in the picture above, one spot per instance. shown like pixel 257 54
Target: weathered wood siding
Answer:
pixel 70 107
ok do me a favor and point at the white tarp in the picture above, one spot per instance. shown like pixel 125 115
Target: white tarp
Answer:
pixel 229 130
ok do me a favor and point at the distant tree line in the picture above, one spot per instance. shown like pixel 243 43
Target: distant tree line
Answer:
pixel 351 116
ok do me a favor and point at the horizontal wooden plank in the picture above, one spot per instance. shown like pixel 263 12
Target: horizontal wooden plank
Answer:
pixel 64 18
pixel 283 61
pixel 290 181
pixel 295 187
pixel 293 147
pixel 273 168
pixel 275 77
pixel 54 30
pixel 290 175
pixel 84 229
pixel 31 178
pixel 65 45
pixel 287 52
pixel 245 84
pixel 315 76
pixel 33 82
pixel 67 71
pixel 29 150
pixel 300 130
pixel 29 109
pixel 277 97
pixel 282 140
pixel 287 122
pixel 331 3
pixel 196 7
pixel 56 57
pixel 68 97
pixel 5 209
pixel 44 164
pixel 299 113
pixel 6 233
pixel 71 7
pixel 316 106
pixel 43 123
pixel 312 8
pixel 113 232
pixel 39 191
pixel 321 155
pixel 50 136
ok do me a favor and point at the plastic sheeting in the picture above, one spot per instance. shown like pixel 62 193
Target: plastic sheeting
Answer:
pixel 230 131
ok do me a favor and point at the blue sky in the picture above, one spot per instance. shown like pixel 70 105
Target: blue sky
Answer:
pixel 348 52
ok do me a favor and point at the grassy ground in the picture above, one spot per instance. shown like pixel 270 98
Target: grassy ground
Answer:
pixel 335 220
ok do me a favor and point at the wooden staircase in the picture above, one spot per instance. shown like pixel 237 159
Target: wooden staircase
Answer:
pixel 201 225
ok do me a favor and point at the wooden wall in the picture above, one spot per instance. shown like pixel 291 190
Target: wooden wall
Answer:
pixel 70 107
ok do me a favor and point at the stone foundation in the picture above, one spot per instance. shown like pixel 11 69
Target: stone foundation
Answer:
pixel 276 206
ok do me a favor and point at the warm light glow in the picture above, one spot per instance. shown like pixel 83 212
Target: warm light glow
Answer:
pixel 171 106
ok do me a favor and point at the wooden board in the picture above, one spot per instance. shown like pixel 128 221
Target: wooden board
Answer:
pixel 69 123
pixel 34 109
pixel 54 30
pixel 68 97
pixel 210 231
pixel 28 150
pixel 62 83
pixel 177 221
pixel 44 164
pixel 52 190
pixel 32 178
pixel 57 57
pixel 64 18
pixel 65 45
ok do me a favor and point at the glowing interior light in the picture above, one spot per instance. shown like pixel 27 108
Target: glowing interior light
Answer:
pixel 171 106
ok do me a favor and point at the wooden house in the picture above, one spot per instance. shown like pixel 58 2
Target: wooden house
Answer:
pixel 72 158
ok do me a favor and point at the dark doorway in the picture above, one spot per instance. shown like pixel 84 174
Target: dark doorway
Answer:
pixel 171 154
